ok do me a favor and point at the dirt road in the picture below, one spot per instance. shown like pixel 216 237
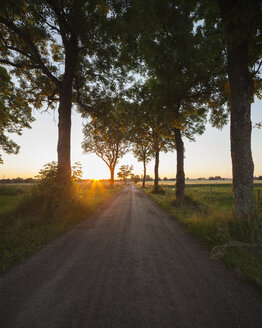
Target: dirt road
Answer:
pixel 129 265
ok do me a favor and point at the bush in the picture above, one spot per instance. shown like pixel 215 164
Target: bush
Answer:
pixel 159 191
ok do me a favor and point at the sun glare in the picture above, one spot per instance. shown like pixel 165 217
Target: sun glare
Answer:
pixel 95 179
pixel 96 187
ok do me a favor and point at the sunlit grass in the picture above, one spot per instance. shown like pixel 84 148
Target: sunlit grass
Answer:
pixel 29 220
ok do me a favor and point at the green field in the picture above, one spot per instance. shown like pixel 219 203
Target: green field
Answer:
pixel 29 220
pixel 219 196
pixel 11 195
pixel 209 218
pixel 196 182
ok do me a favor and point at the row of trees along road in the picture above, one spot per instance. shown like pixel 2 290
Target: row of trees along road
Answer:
pixel 182 77
pixel 206 54
pixel 198 60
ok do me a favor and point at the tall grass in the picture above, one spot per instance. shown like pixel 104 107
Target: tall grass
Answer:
pixel 238 243
pixel 37 215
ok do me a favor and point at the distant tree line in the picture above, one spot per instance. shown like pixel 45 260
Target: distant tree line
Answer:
pixel 19 180
pixel 217 177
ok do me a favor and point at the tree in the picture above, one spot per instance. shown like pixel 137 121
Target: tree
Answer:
pixel 107 139
pixel 45 43
pixel 237 27
pixel 175 56
pixel 149 124
pixel 135 178
pixel 241 39
pixel 124 172
pixel 15 114
pixel 142 150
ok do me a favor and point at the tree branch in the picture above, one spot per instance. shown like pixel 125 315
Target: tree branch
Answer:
pixel 17 65
pixel 32 46
pixel 258 69
pixel 63 24
pixel 104 160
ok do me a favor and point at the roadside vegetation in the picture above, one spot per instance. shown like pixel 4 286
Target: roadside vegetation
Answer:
pixel 207 215
pixel 32 216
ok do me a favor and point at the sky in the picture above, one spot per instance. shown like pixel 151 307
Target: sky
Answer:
pixel 208 156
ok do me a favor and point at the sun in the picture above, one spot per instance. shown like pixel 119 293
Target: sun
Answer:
pixel 95 177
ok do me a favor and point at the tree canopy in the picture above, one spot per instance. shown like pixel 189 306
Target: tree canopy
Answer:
pixel 107 138
pixel 15 113
pixel 54 48
pixel 124 172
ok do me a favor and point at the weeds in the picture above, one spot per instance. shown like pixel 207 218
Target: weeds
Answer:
pixel 158 190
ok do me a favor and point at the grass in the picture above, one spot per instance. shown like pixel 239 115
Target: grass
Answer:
pixel 10 196
pixel 210 220
pixel 29 219
pixel 194 182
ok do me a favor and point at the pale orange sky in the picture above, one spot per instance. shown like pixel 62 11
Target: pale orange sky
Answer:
pixel 208 156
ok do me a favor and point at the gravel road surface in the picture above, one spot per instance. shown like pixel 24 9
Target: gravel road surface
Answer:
pixel 129 265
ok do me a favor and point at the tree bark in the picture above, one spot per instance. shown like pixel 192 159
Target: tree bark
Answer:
pixel 180 174
pixel 64 113
pixel 64 134
pixel 144 178
pixel 156 186
pixel 112 175
pixel 240 125
pixel 240 130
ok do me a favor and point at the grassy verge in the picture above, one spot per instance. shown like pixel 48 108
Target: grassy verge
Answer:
pixel 210 220
pixel 29 219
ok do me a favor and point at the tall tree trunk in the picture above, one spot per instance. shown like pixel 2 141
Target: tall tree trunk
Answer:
pixel 112 175
pixel 240 130
pixel 156 186
pixel 241 91
pixel 144 178
pixel 64 134
pixel 180 174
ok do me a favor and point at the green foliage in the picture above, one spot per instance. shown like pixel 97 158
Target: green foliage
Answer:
pixel 48 174
pixel 45 42
pixel 106 137
pixel 125 171
pixel 184 78
pixel 62 52
pixel 158 190
pixel 149 120
pixel 227 23
pixel 49 183
pixel 143 151
pixel 15 114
